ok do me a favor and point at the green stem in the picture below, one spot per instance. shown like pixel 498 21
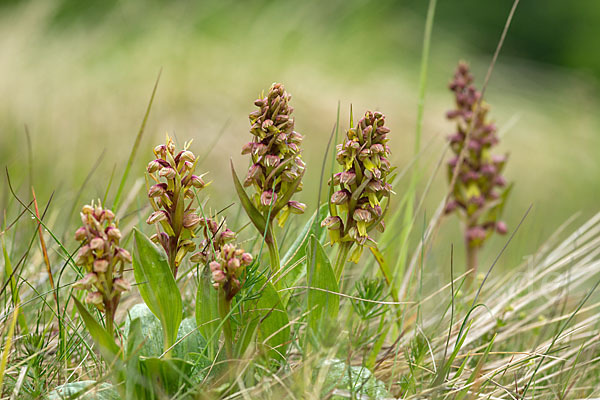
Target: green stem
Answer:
pixel 224 309
pixel 273 251
pixel 472 262
pixel 109 321
pixel 340 259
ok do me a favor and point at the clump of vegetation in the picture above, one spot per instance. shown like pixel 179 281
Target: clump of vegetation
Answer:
pixel 202 315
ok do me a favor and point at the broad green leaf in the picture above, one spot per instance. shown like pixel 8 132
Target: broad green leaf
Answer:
pixel 323 306
pixel 273 329
pixel 254 215
pixel 104 340
pixel 167 376
pixel 103 391
pixel 356 379
pixel 189 340
pixel 157 286
pixel 247 335
pixel 207 311
pixel 150 342
pixel 135 382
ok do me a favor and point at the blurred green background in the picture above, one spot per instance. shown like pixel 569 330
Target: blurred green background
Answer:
pixel 79 74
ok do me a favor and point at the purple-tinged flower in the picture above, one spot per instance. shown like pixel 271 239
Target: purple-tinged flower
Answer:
pixel 475 196
pixel 364 158
pixel 100 258
pixel 275 153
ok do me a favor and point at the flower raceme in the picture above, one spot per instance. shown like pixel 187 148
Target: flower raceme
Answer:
pixel 172 198
pixel 228 268
pixel 277 166
pixel 216 235
pixel 480 189
pixel 102 259
pixel 357 206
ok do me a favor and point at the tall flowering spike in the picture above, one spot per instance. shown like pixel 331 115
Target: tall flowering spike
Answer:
pixel 228 269
pixel 277 166
pixel 480 190
pixel 172 197
pixel 357 193
pixel 102 259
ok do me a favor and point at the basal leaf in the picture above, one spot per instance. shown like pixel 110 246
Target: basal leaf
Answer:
pixel 157 286
pixel 167 376
pixel 104 340
pixel 84 390
pixel 323 306
pixel 207 311
pixel 273 328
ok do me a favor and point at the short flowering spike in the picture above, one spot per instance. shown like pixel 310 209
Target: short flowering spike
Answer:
pixel 171 198
pixel 358 192
pixel 216 235
pixel 480 190
pixel 102 259
pixel 276 163
pixel 228 269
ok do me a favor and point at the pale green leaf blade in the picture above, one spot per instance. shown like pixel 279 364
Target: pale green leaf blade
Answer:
pixel 322 303
pixel 104 340
pixel 157 286
pixel 273 329
pixel 207 311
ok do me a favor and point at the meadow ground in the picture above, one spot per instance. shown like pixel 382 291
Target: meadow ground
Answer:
pixel 76 92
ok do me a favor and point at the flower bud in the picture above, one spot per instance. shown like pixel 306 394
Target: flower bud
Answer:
pixel 100 265
pixel 362 215
pixel 246 259
pixel 348 177
pixel 113 234
pixel 160 151
pixel 157 216
pixel 233 264
pixel 124 256
pixel 87 210
pixel 94 298
pixel 218 276
pixel 340 197
pixel 157 190
pixel 271 160
pixel 153 166
pixel 254 174
pixel 450 206
pixel 226 235
pixel 89 280
pixel 296 207
pixel 475 235
pixel 187 155
pixel 268 197
pixel 332 222
pixel 197 182
pixel 190 220
pixel 167 172
pixel 97 243
pixel 80 234
pixel 501 227
pixel 121 285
